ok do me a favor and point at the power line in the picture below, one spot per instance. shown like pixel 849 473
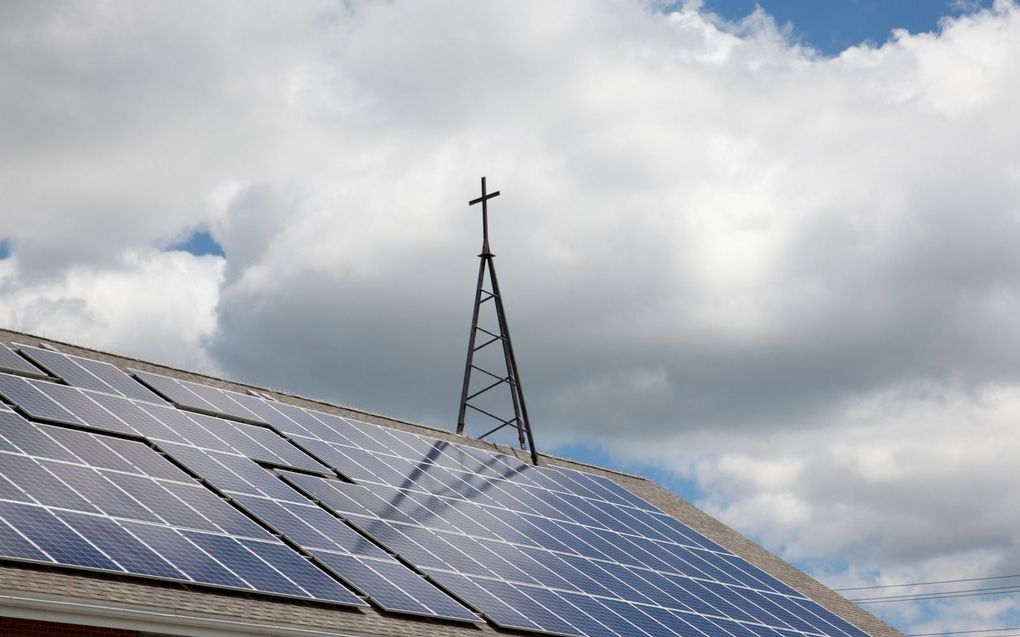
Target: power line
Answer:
pixel 1001 590
pixel 945 581
pixel 966 632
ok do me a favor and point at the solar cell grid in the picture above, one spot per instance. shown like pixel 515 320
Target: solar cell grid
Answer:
pixel 11 362
pixel 298 570
pixel 87 373
pixel 65 368
pixel 394 587
pixel 261 494
pixel 173 390
pixel 628 568
pixel 86 411
pixel 220 400
pixel 130 554
pixel 96 511
pixel 296 421
pixel 229 472
pixel 120 382
pixel 141 420
pixel 54 538
pixel 33 402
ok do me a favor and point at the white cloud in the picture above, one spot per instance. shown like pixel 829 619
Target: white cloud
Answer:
pixel 158 305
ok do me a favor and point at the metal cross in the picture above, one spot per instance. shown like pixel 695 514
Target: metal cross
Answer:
pixel 484 199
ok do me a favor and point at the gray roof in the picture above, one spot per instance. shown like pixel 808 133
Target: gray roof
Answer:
pixel 108 600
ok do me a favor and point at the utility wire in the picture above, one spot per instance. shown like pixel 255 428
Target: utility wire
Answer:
pixel 945 581
pixel 1003 590
pixel 966 632
pixel 1012 587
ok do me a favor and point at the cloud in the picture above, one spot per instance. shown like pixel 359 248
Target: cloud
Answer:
pixel 789 277
pixel 161 306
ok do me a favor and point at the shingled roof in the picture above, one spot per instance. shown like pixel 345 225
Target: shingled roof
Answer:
pixel 91 599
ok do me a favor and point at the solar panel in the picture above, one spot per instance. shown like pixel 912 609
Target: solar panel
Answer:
pixel 88 373
pixel 383 579
pixel 11 362
pixel 195 396
pixel 32 402
pixel 540 549
pixel 102 412
pixel 62 507
pixel 569 552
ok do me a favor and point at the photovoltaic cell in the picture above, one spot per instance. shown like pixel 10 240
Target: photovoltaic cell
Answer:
pixel 11 362
pixel 187 557
pixel 33 402
pixel 65 368
pixel 87 373
pixel 53 537
pixel 31 439
pixel 130 554
pixel 196 396
pixel 394 587
pixel 86 411
pixel 384 580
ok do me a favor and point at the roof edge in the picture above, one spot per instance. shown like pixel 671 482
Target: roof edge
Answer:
pixel 84 612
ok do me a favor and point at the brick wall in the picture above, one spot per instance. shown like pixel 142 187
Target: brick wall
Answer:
pixel 13 627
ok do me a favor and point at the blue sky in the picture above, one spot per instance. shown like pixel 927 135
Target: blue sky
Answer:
pixel 199 243
pixel 830 26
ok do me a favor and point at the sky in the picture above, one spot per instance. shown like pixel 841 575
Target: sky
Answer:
pixel 765 254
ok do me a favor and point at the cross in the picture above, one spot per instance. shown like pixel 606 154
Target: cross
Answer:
pixel 484 199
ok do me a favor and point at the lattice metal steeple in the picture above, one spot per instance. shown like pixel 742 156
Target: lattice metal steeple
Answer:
pixel 492 379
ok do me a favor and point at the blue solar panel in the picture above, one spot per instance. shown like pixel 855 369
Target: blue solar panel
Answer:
pixel 14 544
pixel 11 362
pixel 30 439
pixel 32 402
pixel 542 549
pixel 117 380
pixel 129 553
pixel 87 411
pixel 258 443
pixel 195 396
pixel 65 368
pixel 141 421
pixel 172 389
pixel 394 587
pixel 98 510
pixel 312 581
pixel 565 531
pixel 53 537
pixel 186 556
pixel 309 526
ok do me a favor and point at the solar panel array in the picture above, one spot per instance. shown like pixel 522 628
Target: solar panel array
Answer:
pixel 78 499
pixel 295 501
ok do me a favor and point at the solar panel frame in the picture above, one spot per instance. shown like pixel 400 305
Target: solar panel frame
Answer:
pixel 12 363
pixel 89 373
pixel 65 368
pixel 32 402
